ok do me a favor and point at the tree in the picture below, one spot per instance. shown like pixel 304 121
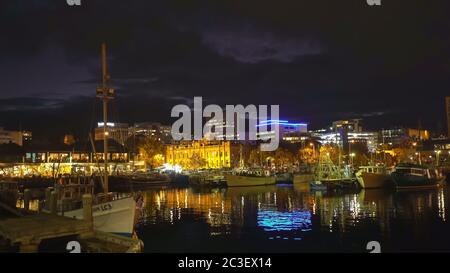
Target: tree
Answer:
pixel 255 157
pixel 283 157
pixel 332 150
pixel 307 156
pixel 151 150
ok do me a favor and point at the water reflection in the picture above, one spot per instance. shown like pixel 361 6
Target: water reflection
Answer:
pixel 252 216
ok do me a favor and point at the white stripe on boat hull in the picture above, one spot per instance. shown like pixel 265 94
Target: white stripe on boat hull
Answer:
pixel 115 216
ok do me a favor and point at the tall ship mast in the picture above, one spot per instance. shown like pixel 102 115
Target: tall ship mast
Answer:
pixel 105 93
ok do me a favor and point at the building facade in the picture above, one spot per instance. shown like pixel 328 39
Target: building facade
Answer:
pixel 200 154
pixel 398 136
pixel 7 137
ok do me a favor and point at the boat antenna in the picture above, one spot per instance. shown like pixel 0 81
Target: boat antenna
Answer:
pixel 105 94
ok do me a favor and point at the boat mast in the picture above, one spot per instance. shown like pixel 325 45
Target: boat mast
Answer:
pixel 105 94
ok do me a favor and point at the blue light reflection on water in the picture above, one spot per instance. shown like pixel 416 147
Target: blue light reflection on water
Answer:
pixel 272 220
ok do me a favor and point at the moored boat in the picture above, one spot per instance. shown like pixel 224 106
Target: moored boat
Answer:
pixel 413 176
pixel 110 212
pixel 111 215
pixel 205 178
pixel 249 177
pixel 284 178
pixel 331 177
pixel 373 177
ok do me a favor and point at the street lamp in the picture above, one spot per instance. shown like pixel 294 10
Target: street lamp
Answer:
pixel 352 155
pixel 313 147
pixel 438 152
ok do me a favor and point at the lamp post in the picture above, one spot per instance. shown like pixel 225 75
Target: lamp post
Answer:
pixel 352 155
pixel 438 152
pixel 350 151
pixel 314 148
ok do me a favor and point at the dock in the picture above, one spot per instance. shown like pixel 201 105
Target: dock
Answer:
pixel 28 229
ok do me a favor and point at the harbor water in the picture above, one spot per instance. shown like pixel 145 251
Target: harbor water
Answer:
pixel 290 218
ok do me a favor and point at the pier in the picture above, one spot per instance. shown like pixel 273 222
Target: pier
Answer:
pixel 28 229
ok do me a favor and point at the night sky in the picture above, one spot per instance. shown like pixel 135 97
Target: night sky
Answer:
pixel 319 60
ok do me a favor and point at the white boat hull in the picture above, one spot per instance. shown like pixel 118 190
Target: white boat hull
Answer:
pixel 243 181
pixel 116 216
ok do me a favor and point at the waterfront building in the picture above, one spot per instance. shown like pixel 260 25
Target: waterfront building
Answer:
pixel 200 154
pixel 65 159
pixel 78 153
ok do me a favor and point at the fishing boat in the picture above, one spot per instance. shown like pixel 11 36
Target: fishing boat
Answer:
pixel 249 177
pixel 111 212
pixel 284 178
pixel 330 177
pixel 373 177
pixel 207 178
pixel 414 176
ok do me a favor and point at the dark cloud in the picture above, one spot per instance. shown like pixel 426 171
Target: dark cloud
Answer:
pixel 319 60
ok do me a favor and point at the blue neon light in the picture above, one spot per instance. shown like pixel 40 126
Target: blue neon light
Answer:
pixel 279 122
pixel 274 120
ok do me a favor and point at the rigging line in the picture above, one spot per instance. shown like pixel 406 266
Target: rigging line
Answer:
pixel 115 114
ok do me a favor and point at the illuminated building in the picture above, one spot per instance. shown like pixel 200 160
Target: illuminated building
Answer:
pixel 368 138
pixel 11 137
pixel 117 131
pixel 286 129
pixel 65 159
pixel 80 153
pixel 152 129
pixel 347 132
pixel 200 154
pixel 69 139
pixel 27 135
pixel 220 130
pixel 398 136
pixel 352 125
